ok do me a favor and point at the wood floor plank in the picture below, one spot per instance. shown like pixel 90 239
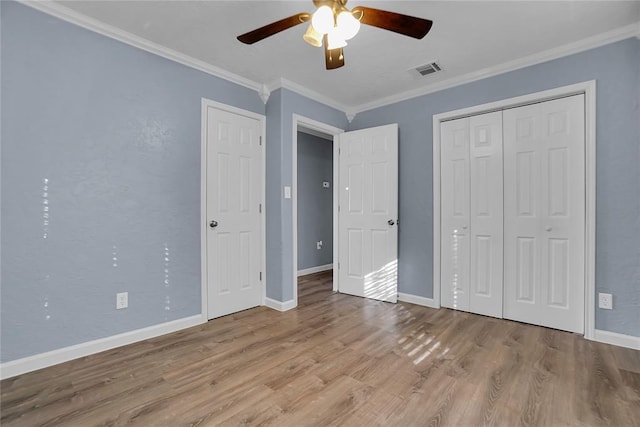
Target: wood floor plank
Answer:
pixel 338 360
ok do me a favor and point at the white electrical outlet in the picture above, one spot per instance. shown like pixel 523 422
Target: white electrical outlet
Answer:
pixel 605 301
pixel 122 300
pixel 319 245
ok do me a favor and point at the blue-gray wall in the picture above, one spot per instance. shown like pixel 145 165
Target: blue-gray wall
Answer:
pixel 281 106
pixel 315 203
pixel 616 68
pixel 107 138
pixel 100 183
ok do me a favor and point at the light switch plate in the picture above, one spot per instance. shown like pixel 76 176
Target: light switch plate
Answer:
pixel 287 192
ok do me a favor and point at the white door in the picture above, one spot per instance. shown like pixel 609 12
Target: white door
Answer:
pixel 454 167
pixel 485 222
pixel 545 213
pixel 368 213
pixel 471 214
pixel 234 243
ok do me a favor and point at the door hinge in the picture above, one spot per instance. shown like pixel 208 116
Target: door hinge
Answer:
pixel 261 276
pixel 338 266
pixel 260 138
pixel 260 208
pixel 338 208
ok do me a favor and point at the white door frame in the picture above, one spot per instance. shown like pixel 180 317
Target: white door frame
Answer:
pixel 587 88
pixel 324 128
pixel 206 103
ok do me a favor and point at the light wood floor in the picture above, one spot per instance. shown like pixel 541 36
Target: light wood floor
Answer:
pixel 339 360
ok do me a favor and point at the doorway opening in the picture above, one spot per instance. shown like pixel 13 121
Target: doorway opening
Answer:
pixel 315 202
pixel 314 199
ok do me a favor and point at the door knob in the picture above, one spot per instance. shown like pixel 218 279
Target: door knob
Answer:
pixel 391 222
pixel 464 227
pixel 213 223
pixel 548 228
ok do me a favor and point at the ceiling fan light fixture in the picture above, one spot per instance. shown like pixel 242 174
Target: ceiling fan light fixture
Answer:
pixel 347 24
pixel 322 19
pixel 313 37
pixel 335 40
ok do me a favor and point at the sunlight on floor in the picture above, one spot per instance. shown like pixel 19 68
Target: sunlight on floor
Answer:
pixel 380 284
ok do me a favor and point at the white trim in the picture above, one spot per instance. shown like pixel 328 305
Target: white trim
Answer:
pixel 418 300
pixel 206 103
pixel 204 290
pixel 615 338
pixel 61 355
pixel 436 210
pixel 592 42
pixel 316 133
pixel 590 206
pixel 317 269
pixel 589 90
pixel 336 212
pixel 280 306
pixel 314 125
pixel 69 15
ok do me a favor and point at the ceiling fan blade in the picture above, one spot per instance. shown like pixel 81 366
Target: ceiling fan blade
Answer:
pixel 396 22
pixel 333 58
pixel 275 27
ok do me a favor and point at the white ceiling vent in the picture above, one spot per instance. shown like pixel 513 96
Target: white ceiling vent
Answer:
pixel 426 69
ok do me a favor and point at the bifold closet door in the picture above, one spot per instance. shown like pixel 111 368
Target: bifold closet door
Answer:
pixel 544 149
pixel 454 181
pixel 485 217
pixel 471 214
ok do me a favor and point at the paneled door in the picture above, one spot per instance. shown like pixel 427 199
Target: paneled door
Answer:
pixel 454 169
pixel 233 239
pixel 544 152
pixel 485 214
pixel 368 213
pixel 471 214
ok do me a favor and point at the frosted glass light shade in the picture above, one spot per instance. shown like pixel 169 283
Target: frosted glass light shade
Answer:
pixel 313 37
pixel 322 20
pixel 335 39
pixel 347 25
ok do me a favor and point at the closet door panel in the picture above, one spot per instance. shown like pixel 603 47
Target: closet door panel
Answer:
pixel 455 214
pixel 485 216
pixel 545 213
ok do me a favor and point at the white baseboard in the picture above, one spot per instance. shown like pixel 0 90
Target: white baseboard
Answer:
pixel 280 306
pixel 418 300
pixel 317 269
pixel 614 338
pixel 50 358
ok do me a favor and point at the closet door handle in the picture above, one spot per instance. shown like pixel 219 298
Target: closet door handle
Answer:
pixel 464 226
pixel 391 222
pixel 548 228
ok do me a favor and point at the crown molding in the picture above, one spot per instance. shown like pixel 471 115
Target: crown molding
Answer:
pixel 632 30
pixel 68 15
pixel 264 90
pixel 283 83
pixel 264 93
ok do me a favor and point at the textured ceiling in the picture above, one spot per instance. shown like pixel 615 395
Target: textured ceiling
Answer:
pixel 467 36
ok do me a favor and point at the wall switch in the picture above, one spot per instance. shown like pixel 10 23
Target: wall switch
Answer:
pixel 319 245
pixel 605 301
pixel 287 192
pixel 122 300
pixel 326 184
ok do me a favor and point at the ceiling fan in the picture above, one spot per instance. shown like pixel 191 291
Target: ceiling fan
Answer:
pixel 332 24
